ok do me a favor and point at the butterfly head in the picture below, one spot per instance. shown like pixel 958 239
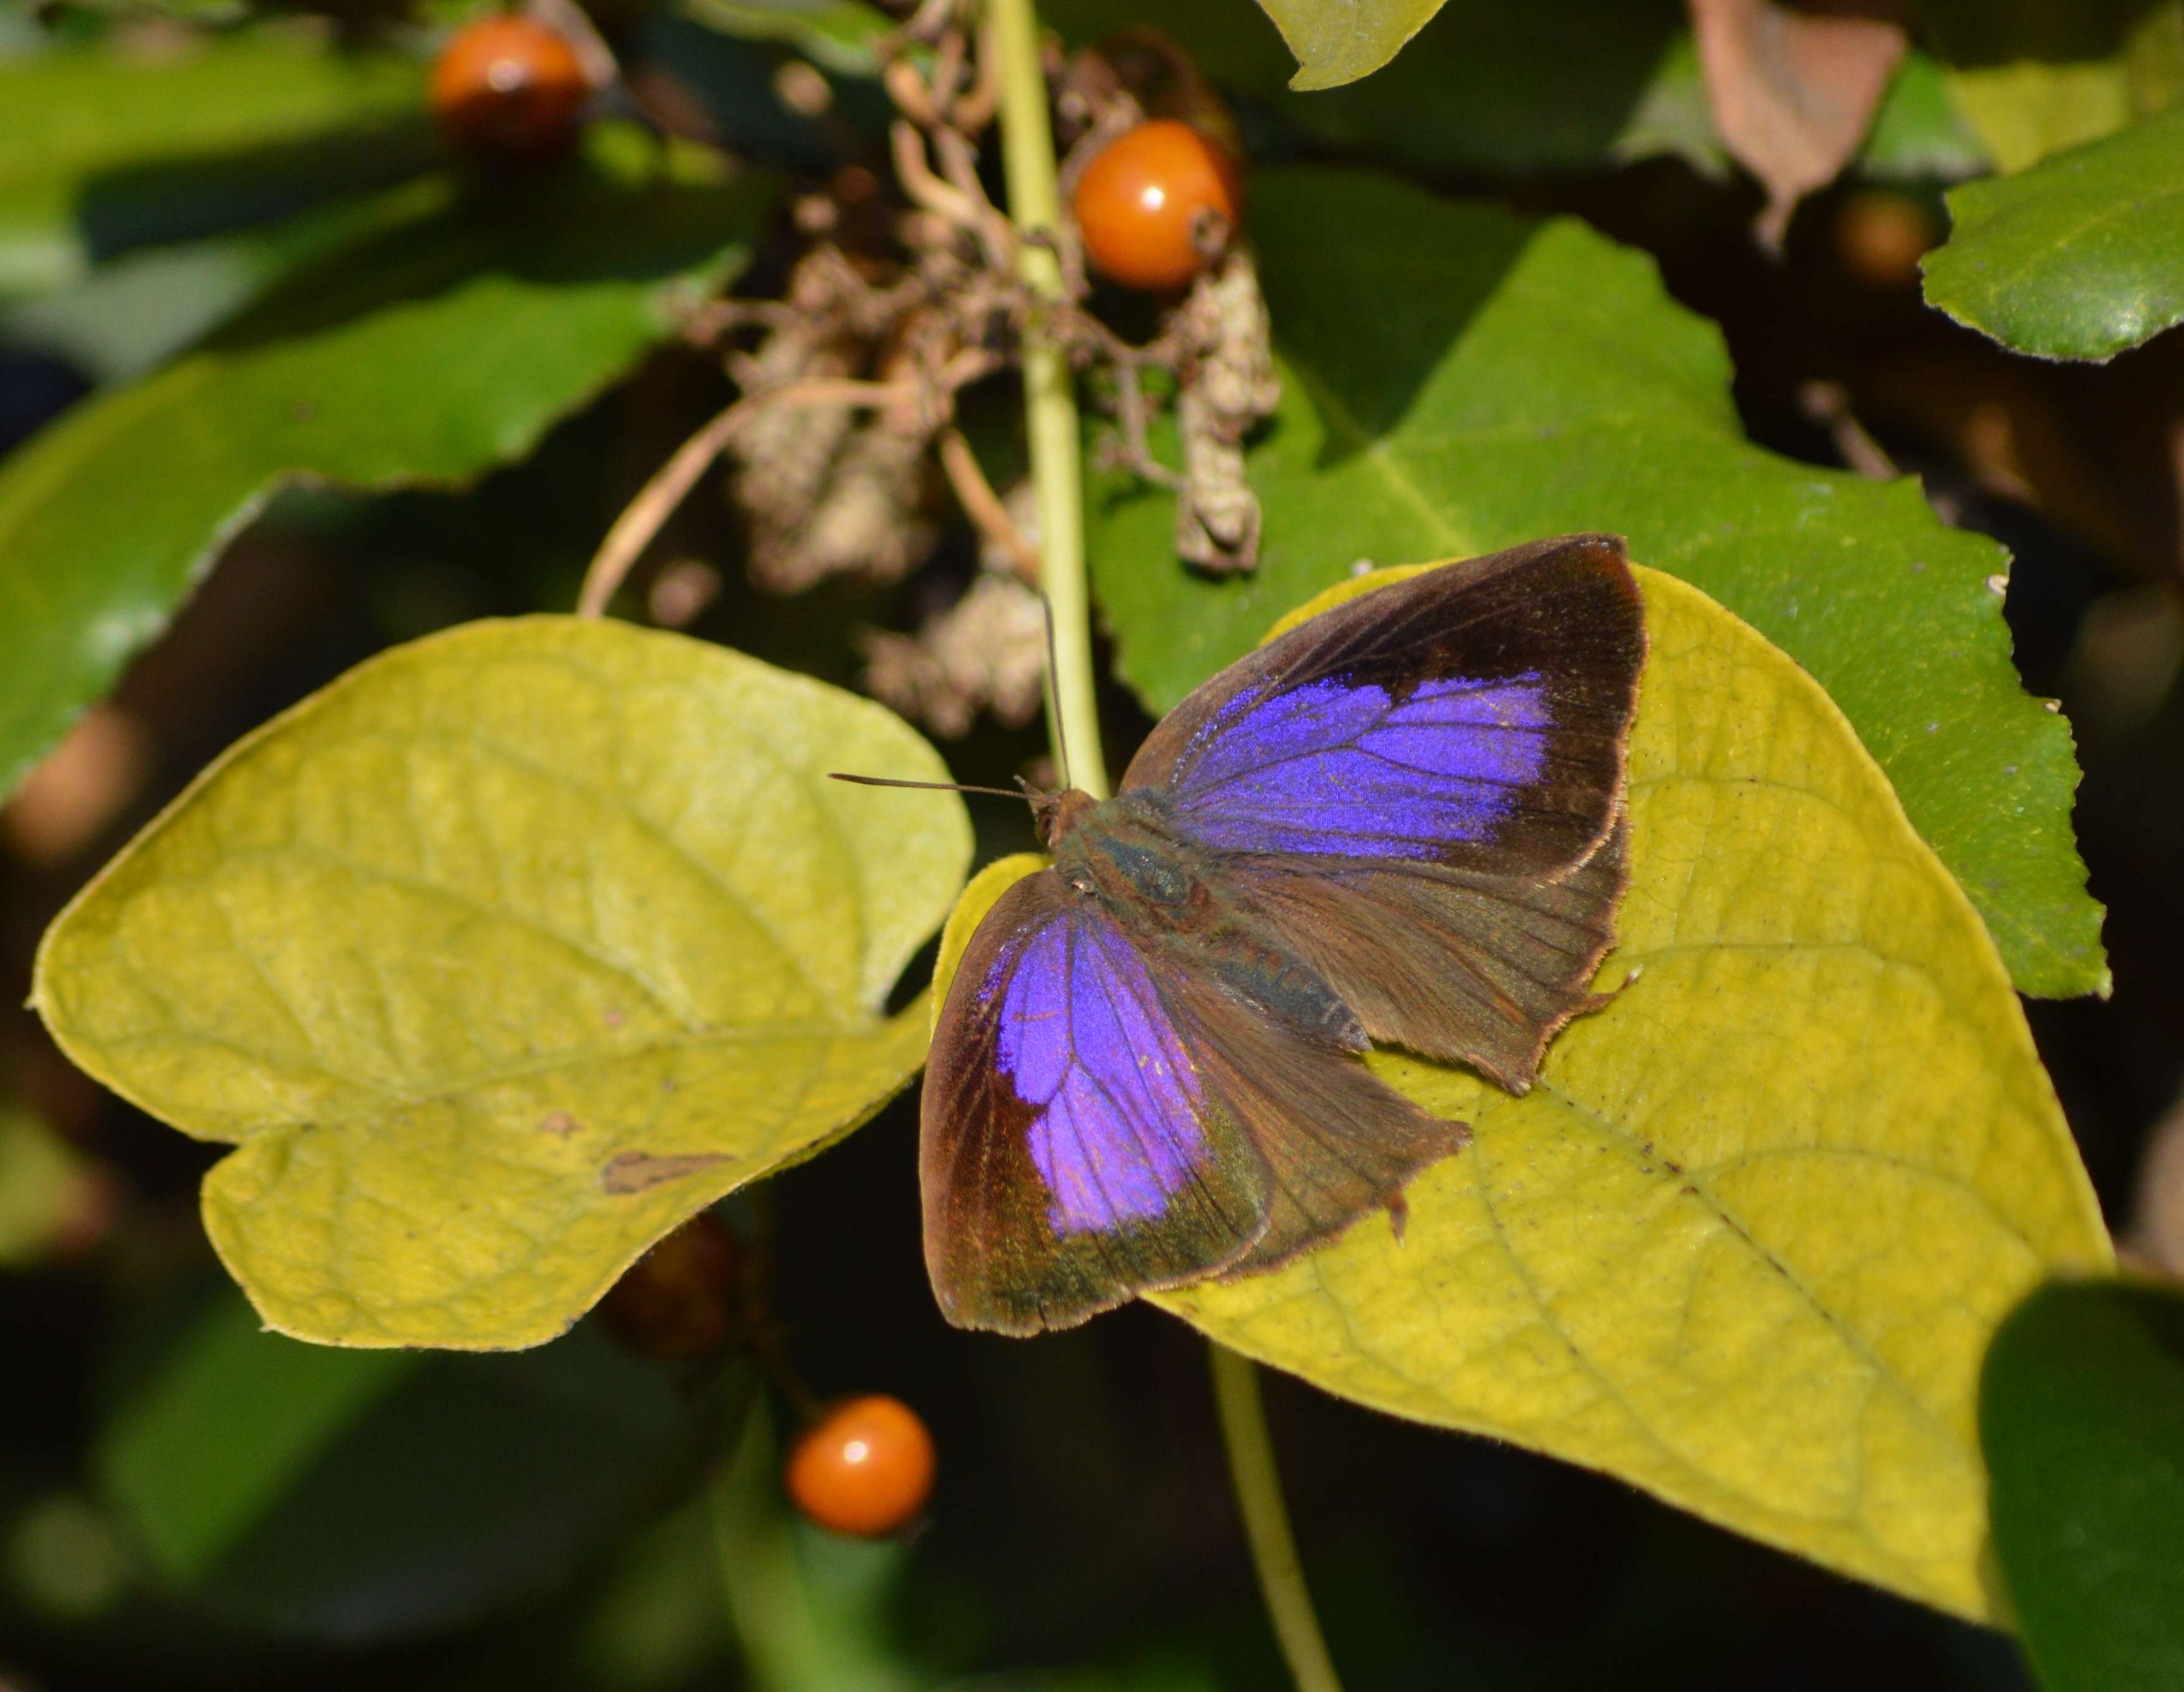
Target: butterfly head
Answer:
pixel 1056 814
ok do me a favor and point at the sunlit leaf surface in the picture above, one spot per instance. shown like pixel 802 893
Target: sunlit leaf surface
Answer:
pixel 2080 257
pixel 1340 41
pixel 1745 1243
pixel 503 955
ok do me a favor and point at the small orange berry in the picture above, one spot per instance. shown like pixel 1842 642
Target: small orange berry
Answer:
pixel 1155 204
pixel 865 1467
pixel 509 88
pixel 1880 236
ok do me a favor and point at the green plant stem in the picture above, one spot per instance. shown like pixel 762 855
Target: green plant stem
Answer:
pixel 1073 721
pixel 1049 396
pixel 1267 1521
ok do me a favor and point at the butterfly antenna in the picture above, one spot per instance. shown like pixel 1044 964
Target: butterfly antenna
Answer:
pixel 930 786
pixel 1053 699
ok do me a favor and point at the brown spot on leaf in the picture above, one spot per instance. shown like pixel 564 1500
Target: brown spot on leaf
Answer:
pixel 561 1124
pixel 633 1172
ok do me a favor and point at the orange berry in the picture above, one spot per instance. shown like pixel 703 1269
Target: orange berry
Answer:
pixel 1155 204
pixel 509 88
pixel 1881 235
pixel 865 1467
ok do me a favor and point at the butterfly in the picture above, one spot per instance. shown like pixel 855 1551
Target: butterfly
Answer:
pixel 1400 822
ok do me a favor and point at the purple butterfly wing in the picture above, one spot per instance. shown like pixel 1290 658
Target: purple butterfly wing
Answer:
pixel 1420 792
pixel 1071 1152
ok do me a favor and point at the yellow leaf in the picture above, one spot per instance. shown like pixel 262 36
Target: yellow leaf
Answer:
pixel 1336 44
pixel 2024 111
pixel 1746 1242
pixel 501 956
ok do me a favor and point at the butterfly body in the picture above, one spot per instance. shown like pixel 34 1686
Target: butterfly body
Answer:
pixel 1170 895
pixel 1399 822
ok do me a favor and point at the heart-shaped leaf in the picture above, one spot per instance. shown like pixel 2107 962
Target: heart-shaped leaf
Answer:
pixel 1515 379
pixel 1745 1243
pixel 2078 258
pixel 503 955
pixel 445 344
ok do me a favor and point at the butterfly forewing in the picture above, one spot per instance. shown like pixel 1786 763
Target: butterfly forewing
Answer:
pixel 1472 716
pixel 1074 1153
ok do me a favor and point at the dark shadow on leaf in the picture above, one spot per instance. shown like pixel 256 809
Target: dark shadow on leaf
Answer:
pixel 1365 368
pixel 151 203
pixel 1986 32
pixel 1485 86
pixel 567 228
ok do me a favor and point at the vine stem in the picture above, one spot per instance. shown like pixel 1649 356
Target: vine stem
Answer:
pixel 1267 1521
pixel 1056 466
pixel 1049 399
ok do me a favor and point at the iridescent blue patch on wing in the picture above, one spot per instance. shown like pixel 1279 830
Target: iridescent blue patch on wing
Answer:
pixel 1347 768
pixel 1084 1040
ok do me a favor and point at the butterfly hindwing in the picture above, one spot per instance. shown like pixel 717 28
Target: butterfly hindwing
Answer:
pixel 1420 792
pixel 1465 968
pixel 1072 1154
pixel 1338 1141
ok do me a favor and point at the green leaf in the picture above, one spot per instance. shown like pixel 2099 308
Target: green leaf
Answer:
pixel 2034 77
pixel 2078 258
pixel 132 314
pixel 1919 133
pixel 1485 87
pixel 1557 85
pixel 502 956
pixel 1336 43
pixel 1745 1243
pixel 843 34
pixel 2023 112
pixel 2082 1410
pixel 1515 379
pixel 103 150
pixel 360 1494
pixel 445 345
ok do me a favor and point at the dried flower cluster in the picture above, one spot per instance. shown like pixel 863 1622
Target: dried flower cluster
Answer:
pixel 907 292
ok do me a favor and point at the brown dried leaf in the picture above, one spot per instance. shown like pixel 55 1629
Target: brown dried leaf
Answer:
pixel 1793 93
